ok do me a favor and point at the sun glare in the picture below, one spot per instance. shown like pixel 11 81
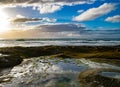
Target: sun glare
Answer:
pixel 4 22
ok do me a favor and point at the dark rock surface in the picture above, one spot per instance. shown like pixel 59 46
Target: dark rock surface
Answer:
pixel 10 61
pixel 93 78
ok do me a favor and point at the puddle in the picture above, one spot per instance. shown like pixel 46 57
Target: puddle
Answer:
pixel 92 64
pixel 111 74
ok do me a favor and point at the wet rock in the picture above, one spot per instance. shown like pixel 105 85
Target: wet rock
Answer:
pixel 4 79
pixel 5 71
pixel 107 52
pixel 62 56
pixel 10 61
pixel 93 78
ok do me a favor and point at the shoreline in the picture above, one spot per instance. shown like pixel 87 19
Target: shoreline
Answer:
pixel 106 54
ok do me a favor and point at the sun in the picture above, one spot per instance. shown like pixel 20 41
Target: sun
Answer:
pixel 4 22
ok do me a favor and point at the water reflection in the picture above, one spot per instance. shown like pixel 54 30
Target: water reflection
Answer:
pixel 111 74
pixel 99 65
pixel 46 72
pixel 53 72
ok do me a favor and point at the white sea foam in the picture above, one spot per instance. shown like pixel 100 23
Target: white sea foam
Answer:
pixel 60 42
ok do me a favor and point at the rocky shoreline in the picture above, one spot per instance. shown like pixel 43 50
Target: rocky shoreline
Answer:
pixel 15 55
pixel 12 56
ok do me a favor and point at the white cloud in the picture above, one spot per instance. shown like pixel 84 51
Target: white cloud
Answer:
pixel 115 18
pixel 49 8
pixel 57 5
pixel 20 16
pixel 48 20
pixel 44 6
pixel 94 13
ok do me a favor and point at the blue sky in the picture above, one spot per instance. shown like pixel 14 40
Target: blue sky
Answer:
pixel 102 15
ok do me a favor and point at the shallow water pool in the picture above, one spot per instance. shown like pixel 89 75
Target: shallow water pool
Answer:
pixel 49 72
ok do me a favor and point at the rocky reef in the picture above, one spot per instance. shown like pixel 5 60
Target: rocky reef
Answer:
pixel 15 55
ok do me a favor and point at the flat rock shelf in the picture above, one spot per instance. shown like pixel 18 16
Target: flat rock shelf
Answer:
pixel 61 66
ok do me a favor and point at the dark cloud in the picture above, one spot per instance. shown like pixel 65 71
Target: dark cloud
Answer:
pixel 17 20
pixel 44 6
pixel 61 30
pixel 26 20
pixel 60 27
pixel 42 1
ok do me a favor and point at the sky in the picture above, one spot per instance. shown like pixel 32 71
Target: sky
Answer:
pixel 59 18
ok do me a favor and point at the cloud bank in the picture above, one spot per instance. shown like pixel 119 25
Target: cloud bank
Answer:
pixel 23 19
pixel 44 6
pixel 60 27
pixel 60 31
pixel 46 31
pixel 44 1
pixel 94 13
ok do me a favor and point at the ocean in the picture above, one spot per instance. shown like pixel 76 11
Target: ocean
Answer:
pixel 59 42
